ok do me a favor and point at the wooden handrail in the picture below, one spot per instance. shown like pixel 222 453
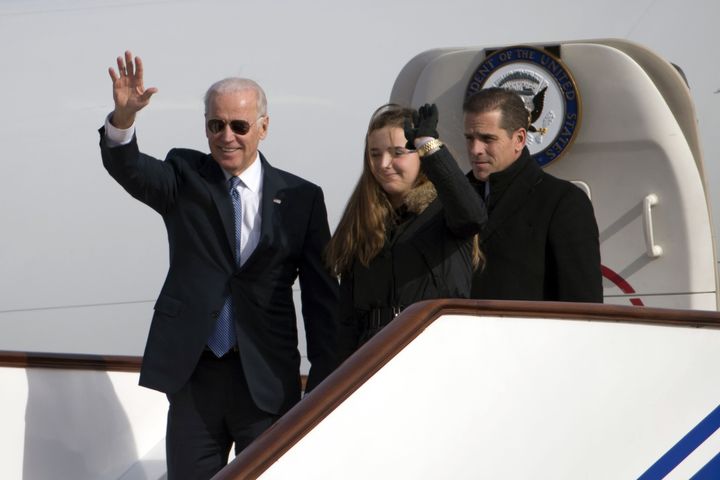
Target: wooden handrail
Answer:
pixel 70 361
pixel 372 356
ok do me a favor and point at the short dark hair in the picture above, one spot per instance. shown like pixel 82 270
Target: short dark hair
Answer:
pixel 514 115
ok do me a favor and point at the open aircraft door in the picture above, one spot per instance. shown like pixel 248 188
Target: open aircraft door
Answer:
pixel 618 121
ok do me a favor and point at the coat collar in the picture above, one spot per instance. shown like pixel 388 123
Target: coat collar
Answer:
pixel 501 181
pixel 515 187
pixel 418 199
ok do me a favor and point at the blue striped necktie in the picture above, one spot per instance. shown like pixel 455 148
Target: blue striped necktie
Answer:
pixel 223 337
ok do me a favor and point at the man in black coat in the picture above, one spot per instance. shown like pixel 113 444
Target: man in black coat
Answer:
pixel 541 239
pixel 223 340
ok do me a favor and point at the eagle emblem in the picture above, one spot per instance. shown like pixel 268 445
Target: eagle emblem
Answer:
pixel 547 88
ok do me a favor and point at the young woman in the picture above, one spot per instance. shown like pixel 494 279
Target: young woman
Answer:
pixel 409 231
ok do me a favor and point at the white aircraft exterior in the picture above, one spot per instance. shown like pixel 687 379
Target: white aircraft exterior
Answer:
pixel 81 262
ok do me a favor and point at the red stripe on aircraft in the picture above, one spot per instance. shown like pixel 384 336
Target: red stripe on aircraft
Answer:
pixel 621 283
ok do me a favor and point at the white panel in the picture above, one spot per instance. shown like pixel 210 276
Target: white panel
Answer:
pixel 14 394
pixel 80 425
pixel 631 146
pixel 488 397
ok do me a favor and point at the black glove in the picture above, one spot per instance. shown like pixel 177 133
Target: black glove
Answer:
pixel 424 124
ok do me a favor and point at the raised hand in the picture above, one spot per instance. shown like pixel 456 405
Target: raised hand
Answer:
pixel 424 125
pixel 129 93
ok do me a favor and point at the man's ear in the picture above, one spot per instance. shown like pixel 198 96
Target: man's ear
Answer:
pixel 519 139
pixel 264 127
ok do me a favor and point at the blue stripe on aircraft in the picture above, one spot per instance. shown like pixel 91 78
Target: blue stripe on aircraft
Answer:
pixel 685 447
pixel 711 471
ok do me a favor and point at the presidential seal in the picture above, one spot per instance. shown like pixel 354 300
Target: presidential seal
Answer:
pixel 549 92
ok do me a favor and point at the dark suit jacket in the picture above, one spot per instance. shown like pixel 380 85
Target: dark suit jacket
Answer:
pixel 541 240
pixel 189 190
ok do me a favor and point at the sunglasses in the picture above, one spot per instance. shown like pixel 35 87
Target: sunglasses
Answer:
pixel 239 127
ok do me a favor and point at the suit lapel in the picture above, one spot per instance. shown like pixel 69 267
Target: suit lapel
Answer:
pixel 219 190
pixel 272 198
pixel 271 203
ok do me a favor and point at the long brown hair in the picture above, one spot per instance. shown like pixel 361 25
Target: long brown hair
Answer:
pixel 361 232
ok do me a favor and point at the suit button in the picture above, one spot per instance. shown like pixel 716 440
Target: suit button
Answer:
pixel 215 314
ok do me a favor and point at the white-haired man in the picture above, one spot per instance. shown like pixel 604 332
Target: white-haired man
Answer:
pixel 223 340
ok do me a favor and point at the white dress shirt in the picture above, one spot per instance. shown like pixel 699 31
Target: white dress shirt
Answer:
pixel 250 189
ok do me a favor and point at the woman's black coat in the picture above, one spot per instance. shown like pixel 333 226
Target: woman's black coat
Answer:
pixel 427 255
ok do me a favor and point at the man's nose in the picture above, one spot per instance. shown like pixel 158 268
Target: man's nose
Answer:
pixel 227 134
pixel 477 148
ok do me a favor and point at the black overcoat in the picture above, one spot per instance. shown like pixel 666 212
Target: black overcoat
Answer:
pixel 541 239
